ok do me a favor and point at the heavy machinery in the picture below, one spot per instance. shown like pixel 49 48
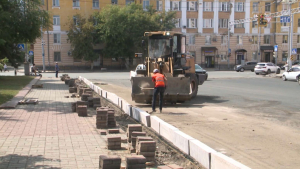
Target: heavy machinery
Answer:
pixel 167 53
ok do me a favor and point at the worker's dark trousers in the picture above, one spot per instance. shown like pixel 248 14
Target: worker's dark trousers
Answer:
pixel 161 91
pixel 56 73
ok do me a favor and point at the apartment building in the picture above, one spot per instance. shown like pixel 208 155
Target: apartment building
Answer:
pixel 205 23
pixel 56 47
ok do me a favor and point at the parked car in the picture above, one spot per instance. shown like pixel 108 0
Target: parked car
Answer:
pixel 246 66
pixel 292 74
pixel 296 63
pixel 266 68
pixel 199 70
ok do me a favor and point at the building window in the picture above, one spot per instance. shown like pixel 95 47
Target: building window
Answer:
pixel 43 2
pixel 285 6
pixel 57 57
pixel 56 20
pixel 239 6
pixel 75 20
pixel 208 23
pixel 193 53
pixel 146 5
pixel 224 6
pixel 283 23
pixel 267 39
pixel 178 23
pixel 76 3
pixel 95 21
pixel 285 39
pixel 95 3
pixel 175 5
pixel 192 40
pixel 223 23
pixel 208 6
pixel 192 23
pixel 284 56
pixel 240 25
pixel 298 38
pixel 192 6
pixel 254 23
pixel 239 39
pixel 298 22
pixel 267 7
pixel 223 56
pixel 224 39
pixel 55 2
pixel 254 39
pixel 114 2
pixel 207 39
pixel 255 6
pixel 254 55
pixel 128 2
pixel 56 37
pixel 159 5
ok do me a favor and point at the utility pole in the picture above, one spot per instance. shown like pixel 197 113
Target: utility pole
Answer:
pixel 258 39
pixel 228 38
pixel 43 52
pixel 290 36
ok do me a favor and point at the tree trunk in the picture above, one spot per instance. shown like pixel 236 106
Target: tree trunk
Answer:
pixel 92 65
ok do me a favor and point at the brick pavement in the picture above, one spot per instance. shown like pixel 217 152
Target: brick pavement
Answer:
pixel 49 135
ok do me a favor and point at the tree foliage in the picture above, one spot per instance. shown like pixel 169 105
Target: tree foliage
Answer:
pixel 82 39
pixel 123 28
pixel 20 22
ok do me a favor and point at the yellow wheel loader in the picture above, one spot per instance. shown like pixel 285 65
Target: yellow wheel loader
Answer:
pixel 167 53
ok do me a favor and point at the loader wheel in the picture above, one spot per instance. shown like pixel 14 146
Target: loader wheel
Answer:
pixel 194 85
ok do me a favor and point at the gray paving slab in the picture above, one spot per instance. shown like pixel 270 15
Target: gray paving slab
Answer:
pixel 49 134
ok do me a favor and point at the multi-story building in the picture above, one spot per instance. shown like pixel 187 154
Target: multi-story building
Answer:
pixel 205 23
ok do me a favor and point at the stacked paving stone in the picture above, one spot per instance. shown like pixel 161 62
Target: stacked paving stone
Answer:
pixel 113 143
pixel 90 101
pixel 101 119
pixel 109 162
pixel 171 166
pixel 132 128
pixel 79 86
pixel 81 90
pixel 111 121
pixel 135 162
pixel 96 103
pixel 63 77
pixel 132 146
pixel 72 82
pixel 82 110
pixel 147 149
pixel 73 106
pixel 84 97
pixel 113 131
pixel 67 80
pixel 72 90
pixel 139 139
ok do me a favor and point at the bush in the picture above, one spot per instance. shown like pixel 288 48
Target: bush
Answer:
pixel 1 67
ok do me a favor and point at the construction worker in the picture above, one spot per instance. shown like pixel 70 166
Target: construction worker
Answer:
pixel 159 81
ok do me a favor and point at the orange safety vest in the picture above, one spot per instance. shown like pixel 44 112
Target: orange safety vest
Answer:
pixel 159 80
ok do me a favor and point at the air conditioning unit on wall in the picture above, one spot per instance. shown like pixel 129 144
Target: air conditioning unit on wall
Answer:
pixel 250 40
pixel 214 39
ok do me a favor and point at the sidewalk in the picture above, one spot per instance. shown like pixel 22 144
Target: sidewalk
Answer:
pixel 49 135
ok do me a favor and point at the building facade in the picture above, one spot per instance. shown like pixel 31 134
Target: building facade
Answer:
pixel 205 23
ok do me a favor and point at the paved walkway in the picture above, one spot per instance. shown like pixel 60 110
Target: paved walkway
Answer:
pixel 49 135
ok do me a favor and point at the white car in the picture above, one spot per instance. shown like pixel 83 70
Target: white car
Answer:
pixel 266 68
pixel 138 67
pixel 292 74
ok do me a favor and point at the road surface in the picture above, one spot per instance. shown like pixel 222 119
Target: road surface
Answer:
pixel 253 119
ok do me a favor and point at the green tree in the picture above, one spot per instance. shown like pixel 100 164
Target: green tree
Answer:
pixel 122 28
pixel 81 36
pixel 20 22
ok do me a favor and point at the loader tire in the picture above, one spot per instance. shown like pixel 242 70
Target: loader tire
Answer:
pixel 194 85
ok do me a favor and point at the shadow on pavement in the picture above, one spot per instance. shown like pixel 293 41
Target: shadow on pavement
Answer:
pixel 26 161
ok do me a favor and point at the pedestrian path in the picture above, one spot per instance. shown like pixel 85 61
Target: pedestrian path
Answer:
pixel 49 135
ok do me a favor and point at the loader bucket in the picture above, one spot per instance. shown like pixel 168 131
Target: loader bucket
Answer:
pixel 178 89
